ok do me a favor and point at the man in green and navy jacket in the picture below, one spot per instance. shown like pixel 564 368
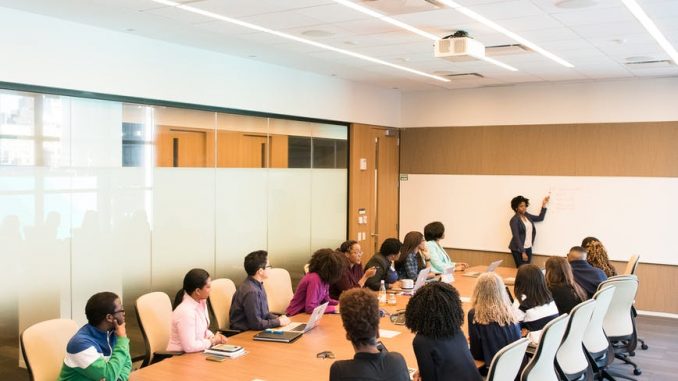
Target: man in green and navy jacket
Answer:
pixel 100 349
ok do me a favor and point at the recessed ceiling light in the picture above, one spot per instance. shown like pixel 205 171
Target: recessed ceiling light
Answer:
pixel 575 4
pixel 317 33
pixel 260 28
pixel 651 28
pixel 484 20
pixel 410 28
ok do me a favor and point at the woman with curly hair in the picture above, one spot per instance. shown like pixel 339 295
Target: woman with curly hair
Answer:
pixel 435 314
pixel 597 255
pixel 559 279
pixel 326 267
pixel 491 322
pixel 360 316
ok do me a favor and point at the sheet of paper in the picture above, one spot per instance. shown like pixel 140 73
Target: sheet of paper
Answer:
pixel 465 299
pixel 387 333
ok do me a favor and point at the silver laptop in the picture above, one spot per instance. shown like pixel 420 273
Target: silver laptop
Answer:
pixel 310 324
pixel 421 280
pixel 493 266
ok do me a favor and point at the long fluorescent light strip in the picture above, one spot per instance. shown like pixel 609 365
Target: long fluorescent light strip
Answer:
pixel 651 28
pixel 412 29
pixel 295 38
pixel 501 29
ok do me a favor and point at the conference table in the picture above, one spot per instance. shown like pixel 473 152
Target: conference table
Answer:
pixel 270 361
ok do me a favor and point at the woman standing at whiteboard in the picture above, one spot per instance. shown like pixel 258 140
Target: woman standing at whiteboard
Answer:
pixel 522 229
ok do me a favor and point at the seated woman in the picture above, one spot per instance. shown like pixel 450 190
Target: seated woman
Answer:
pixel 440 261
pixel 383 262
pixel 435 314
pixel 597 255
pixel 360 316
pixel 326 267
pixel 533 305
pixel 491 322
pixel 190 319
pixel 559 279
pixel 413 256
pixel 353 275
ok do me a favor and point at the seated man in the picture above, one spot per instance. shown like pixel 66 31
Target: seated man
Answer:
pixel 249 309
pixel 360 315
pixel 100 349
pixel 384 263
pixel 587 276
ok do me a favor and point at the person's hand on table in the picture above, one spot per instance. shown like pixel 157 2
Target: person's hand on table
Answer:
pixel 284 320
pixel 461 266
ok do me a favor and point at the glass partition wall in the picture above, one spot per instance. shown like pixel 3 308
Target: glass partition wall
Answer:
pixel 101 195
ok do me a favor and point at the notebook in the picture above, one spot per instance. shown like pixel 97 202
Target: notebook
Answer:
pixel 278 336
pixel 493 266
pixel 310 324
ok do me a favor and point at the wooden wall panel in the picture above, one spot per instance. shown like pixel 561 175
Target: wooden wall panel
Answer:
pixel 612 149
pixel 654 280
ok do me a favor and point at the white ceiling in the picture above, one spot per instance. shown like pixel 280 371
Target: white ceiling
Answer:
pixel 598 40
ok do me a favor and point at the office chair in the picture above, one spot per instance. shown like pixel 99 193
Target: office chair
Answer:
pixel 619 323
pixel 571 361
pixel 278 289
pixel 43 346
pixel 631 267
pixel 220 300
pixel 154 313
pixel 506 363
pixel 542 366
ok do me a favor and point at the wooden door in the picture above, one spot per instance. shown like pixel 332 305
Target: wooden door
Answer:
pixel 177 147
pixel 373 186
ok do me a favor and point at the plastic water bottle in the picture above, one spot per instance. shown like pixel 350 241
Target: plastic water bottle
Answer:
pixel 382 293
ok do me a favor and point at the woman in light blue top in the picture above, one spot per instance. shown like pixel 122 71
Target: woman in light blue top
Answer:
pixel 433 233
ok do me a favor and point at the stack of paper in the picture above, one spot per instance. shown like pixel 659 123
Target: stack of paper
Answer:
pixel 226 350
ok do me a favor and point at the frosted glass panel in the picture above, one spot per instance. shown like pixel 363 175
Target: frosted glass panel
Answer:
pixel 328 207
pixel 289 219
pixel 95 133
pixel 241 213
pixel 183 225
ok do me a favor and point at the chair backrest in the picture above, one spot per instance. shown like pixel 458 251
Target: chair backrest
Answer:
pixel 43 346
pixel 595 340
pixel 278 288
pixel 570 357
pixel 154 312
pixel 618 321
pixel 221 297
pixel 632 265
pixel 506 363
pixel 541 367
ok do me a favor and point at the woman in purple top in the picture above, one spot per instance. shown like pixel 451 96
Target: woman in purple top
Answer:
pixel 325 268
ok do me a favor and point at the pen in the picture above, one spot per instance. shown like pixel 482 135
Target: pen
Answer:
pixel 274 331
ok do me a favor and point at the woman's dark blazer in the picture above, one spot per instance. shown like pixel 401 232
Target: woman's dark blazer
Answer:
pixel 518 230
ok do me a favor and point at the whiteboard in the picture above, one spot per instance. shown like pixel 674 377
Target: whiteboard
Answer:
pixel 630 215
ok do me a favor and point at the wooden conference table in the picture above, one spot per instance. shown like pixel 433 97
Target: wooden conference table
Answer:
pixel 271 361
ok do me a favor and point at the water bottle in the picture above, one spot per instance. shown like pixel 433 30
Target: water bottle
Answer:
pixel 382 293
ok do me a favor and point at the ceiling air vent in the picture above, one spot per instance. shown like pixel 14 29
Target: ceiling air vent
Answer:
pixel 505 50
pixel 458 76
pixel 651 64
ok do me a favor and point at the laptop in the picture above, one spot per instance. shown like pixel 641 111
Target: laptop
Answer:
pixel 493 266
pixel 421 280
pixel 310 324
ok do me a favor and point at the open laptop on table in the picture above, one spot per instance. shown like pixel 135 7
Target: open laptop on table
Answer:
pixel 292 331
pixel 493 266
pixel 421 280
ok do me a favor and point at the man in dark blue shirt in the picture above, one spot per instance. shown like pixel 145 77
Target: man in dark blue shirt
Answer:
pixel 587 276
pixel 249 309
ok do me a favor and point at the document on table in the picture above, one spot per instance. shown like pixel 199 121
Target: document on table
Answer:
pixel 387 333
pixel 465 299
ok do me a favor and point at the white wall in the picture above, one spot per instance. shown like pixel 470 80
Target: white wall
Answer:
pixel 45 51
pixel 638 100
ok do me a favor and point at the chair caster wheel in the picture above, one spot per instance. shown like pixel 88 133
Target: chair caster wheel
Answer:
pixel 644 347
pixel 637 372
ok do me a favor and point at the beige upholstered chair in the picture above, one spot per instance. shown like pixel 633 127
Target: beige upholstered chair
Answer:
pixel 154 312
pixel 221 297
pixel 632 265
pixel 43 346
pixel 278 288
